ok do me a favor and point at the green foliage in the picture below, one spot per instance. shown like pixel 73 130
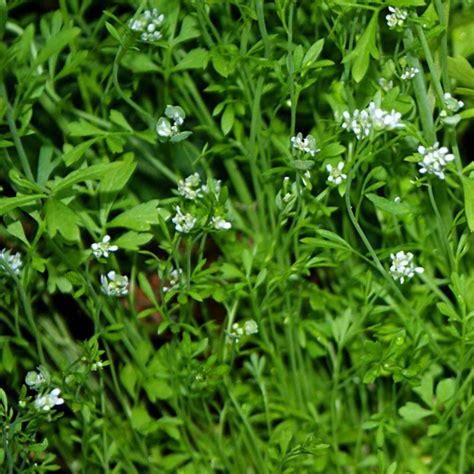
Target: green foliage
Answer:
pixel 229 241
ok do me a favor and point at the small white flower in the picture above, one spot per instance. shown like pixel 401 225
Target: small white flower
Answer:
pixel 114 284
pixel 11 262
pixel 335 174
pixel 167 130
pixel 451 103
pixel 189 188
pixel 102 248
pixel 46 402
pixel 220 223
pixel 385 84
pixel 396 18
pixel 397 199
pixel 216 187
pixel 174 277
pixel 409 73
pixel 183 222
pixel 304 145
pixel 402 267
pixel 148 25
pixel 435 159
pixel 164 128
pixel 250 327
pixel 35 380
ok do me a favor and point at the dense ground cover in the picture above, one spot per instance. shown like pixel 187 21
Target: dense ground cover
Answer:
pixel 236 236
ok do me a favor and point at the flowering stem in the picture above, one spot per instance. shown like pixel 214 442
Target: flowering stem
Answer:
pixel 291 68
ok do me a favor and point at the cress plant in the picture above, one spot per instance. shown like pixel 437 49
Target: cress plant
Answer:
pixel 236 236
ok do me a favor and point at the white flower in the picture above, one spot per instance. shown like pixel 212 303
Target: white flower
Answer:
pixel 396 18
pixel 183 222
pixel 304 145
pixel 220 223
pixel 451 103
pixel 250 327
pixel 174 277
pixel 238 330
pixel 189 188
pixel 409 73
pixel 114 284
pixel 385 84
pixel 335 174
pixel 362 122
pixel 10 262
pixel 434 159
pixel 165 129
pixel 216 186
pixel 148 25
pixel 46 402
pixel 402 267
pixel 102 248
pixel 35 380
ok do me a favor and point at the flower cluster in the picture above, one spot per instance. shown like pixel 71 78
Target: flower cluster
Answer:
pixel 409 73
pixel 451 103
pixel 114 284
pixel 362 122
pixel 183 223
pixel 174 276
pixel 434 159
pixel 9 262
pixel 103 248
pixel 148 25
pixel 397 17
pixel 190 187
pixel 35 380
pixel 171 131
pixel 248 328
pixel 402 267
pixel 300 145
pixel 39 381
pixel 193 190
pixel 48 401
pixel 336 176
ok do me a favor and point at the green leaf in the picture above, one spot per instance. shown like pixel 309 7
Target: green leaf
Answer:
pixel 60 218
pixel 158 390
pixel 469 202
pixel 84 174
pixel 10 203
pixel 146 288
pixel 366 47
pixel 139 63
pixel 132 240
pixel 195 59
pixel 425 389
pixel 56 43
pixel 227 119
pixel 392 207
pixel 83 129
pixel 8 360
pixel 445 390
pixel 139 218
pixel 460 69
pixel 413 412
pixel 74 154
pixel 119 119
pixel 16 229
pixel 113 31
pixel 313 53
pixel 189 30
pixel 128 377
